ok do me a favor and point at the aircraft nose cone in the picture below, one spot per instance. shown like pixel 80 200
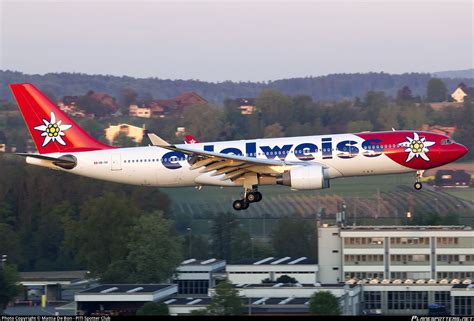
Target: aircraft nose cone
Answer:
pixel 461 150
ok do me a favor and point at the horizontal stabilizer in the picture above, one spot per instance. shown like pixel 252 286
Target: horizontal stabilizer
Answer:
pixel 65 161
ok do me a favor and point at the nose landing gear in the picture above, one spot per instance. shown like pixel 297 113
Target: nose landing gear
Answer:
pixel 418 185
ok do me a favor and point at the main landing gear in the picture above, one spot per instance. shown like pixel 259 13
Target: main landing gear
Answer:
pixel 418 185
pixel 250 196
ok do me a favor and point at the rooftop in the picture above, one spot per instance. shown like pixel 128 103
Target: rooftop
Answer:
pixel 188 301
pixel 293 285
pixel 454 282
pixel 53 275
pixel 408 228
pixel 126 288
pixel 201 262
pixel 253 301
pixel 278 261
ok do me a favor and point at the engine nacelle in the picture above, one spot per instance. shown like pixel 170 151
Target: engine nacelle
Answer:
pixel 305 177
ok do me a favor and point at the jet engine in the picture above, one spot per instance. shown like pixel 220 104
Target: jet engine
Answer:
pixel 305 177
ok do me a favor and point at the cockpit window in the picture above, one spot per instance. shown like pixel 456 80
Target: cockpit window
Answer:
pixel 447 141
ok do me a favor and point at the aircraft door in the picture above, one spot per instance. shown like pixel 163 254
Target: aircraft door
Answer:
pixel 116 162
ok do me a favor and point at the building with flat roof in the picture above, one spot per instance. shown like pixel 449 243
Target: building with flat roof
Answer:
pixel 51 282
pixel 407 252
pixel 195 277
pixel 302 269
pixel 388 270
pixel 120 299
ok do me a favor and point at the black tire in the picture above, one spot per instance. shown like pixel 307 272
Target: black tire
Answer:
pixel 237 205
pixel 245 204
pixel 251 197
pixel 259 196
pixel 418 186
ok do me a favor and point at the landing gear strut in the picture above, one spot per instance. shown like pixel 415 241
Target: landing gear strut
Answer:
pixel 418 185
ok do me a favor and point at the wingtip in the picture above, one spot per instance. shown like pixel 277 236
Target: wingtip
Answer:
pixel 157 141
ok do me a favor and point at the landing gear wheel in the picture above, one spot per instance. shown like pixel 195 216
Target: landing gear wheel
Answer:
pixel 259 196
pixel 238 205
pixel 418 185
pixel 251 197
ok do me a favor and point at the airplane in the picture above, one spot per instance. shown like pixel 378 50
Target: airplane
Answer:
pixel 302 163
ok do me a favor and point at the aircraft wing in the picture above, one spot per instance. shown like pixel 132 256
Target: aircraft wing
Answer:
pixel 233 166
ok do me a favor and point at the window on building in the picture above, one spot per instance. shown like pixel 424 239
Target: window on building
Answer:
pixel 463 305
pixel 373 300
pixel 401 300
pixel 443 298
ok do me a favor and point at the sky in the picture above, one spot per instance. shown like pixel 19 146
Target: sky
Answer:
pixel 235 40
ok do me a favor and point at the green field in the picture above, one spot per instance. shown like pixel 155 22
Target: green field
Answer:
pixel 464 193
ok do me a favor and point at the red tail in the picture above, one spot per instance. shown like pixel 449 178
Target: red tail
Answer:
pixel 52 130
pixel 191 139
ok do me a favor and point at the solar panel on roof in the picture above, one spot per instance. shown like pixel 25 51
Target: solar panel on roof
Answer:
pixel 140 288
pixel 264 260
pixel 281 260
pixel 298 260
pixel 194 301
pixel 109 290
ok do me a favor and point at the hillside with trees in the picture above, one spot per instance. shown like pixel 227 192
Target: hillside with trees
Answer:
pixel 329 87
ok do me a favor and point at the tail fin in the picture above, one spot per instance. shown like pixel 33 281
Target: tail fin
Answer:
pixel 51 129
pixel 190 139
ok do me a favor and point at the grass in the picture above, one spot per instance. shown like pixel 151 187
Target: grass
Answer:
pixel 464 193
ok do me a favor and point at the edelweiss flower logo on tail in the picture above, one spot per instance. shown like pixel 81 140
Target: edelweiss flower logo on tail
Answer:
pixel 416 147
pixel 52 130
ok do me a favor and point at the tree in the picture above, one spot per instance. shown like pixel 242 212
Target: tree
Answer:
pixel 324 303
pixel 122 140
pixel 465 128
pixel 9 287
pixel 404 95
pixel 357 126
pixel 228 240
pixel 203 121
pixel 155 249
pixel 153 308
pixel 436 90
pixel 274 106
pixel 98 237
pixel 294 237
pixel 273 131
pixel 128 96
pixel 10 243
pixel 225 301
pixel 387 118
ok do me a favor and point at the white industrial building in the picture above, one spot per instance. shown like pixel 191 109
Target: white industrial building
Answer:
pixel 406 252
pixel 254 271
pixel 388 270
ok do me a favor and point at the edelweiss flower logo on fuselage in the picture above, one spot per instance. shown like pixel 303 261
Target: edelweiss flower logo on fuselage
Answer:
pixel 52 130
pixel 416 147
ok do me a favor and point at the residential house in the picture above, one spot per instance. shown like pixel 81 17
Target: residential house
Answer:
pixel 162 107
pixel 246 105
pixel 134 132
pixel 68 104
pixel 462 91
